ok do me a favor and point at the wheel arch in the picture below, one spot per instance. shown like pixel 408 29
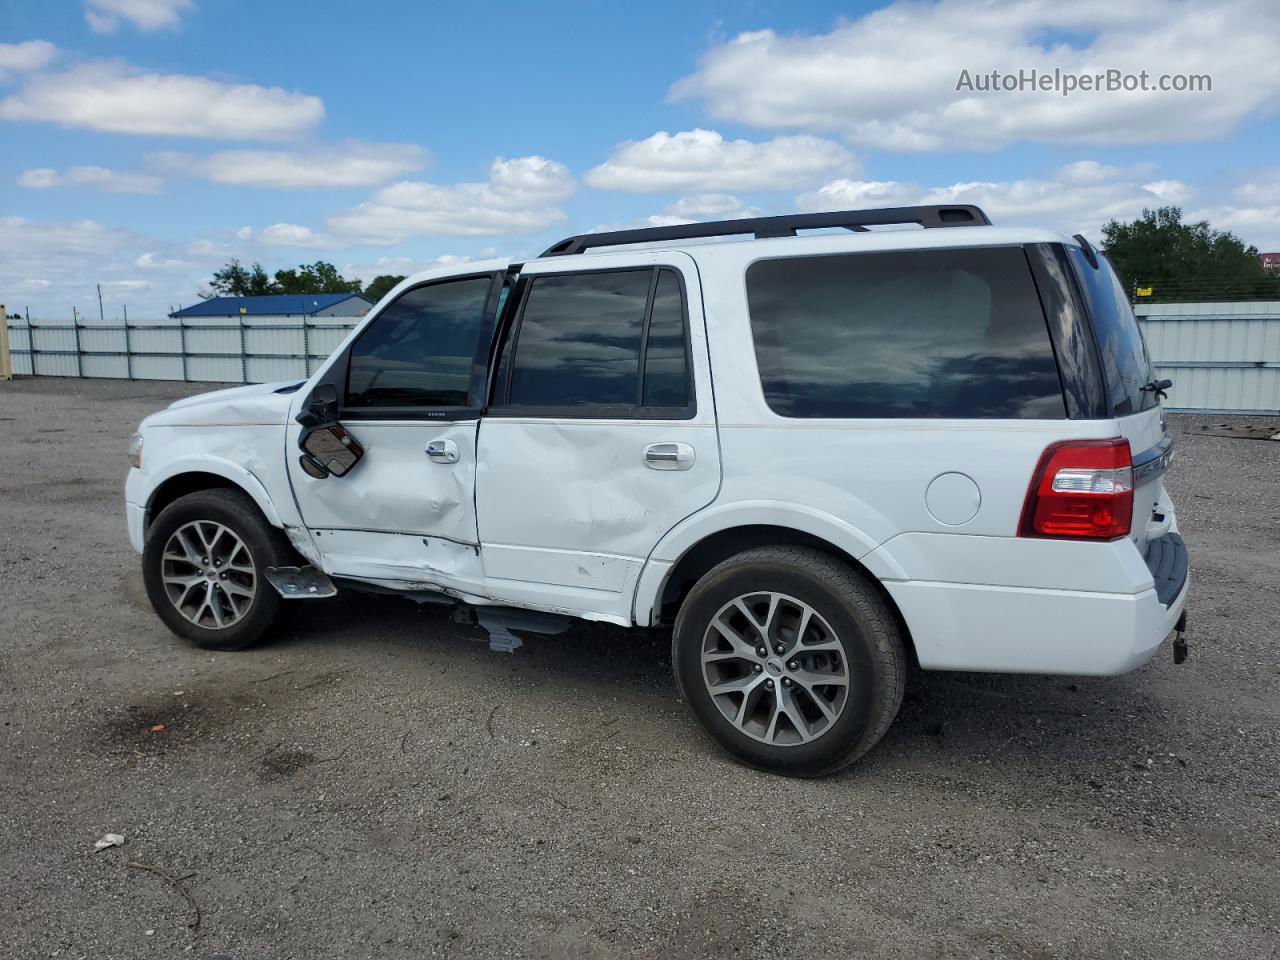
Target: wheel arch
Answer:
pixel 207 475
pixel 673 582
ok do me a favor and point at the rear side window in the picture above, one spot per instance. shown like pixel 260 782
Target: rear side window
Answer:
pixel 1126 368
pixel 666 372
pixel 612 339
pixel 925 333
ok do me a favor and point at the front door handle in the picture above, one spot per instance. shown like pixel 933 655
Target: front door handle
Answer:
pixel 442 451
pixel 668 456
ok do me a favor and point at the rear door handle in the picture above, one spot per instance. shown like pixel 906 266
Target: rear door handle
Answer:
pixel 442 451
pixel 668 456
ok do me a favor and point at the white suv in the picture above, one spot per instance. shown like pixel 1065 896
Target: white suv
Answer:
pixel 818 457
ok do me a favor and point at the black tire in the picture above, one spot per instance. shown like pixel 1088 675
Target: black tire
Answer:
pixel 268 547
pixel 865 626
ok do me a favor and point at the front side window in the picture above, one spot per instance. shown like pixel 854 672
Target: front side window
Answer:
pixel 419 351
pixel 607 339
pixel 922 333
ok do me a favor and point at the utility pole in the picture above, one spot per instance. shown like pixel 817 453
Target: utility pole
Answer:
pixel 101 318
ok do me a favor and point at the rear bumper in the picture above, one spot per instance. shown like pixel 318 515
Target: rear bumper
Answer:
pixel 1019 630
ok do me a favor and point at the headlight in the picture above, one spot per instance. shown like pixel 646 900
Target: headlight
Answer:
pixel 135 450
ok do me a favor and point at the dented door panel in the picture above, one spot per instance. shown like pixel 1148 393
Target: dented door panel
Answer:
pixel 399 513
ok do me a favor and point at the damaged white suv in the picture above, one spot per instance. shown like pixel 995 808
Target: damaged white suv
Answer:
pixel 818 457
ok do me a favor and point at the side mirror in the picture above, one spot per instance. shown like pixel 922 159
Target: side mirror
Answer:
pixel 324 402
pixel 330 450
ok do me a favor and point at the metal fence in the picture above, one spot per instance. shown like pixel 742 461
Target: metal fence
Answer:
pixel 227 351
pixel 1221 357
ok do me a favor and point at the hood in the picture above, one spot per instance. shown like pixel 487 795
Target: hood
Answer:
pixel 257 403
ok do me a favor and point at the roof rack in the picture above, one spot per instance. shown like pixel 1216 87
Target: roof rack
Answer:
pixel 960 215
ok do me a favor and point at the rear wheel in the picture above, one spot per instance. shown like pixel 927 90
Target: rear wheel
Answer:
pixel 790 659
pixel 204 568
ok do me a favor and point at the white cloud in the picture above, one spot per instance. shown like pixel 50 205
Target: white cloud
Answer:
pixel 53 267
pixel 104 16
pixel 153 261
pixel 1251 211
pixel 689 209
pixel 520 196
pixel 292 235
pixel 100 178
pixel 22 57
pixel 347 164
pixel 712 206
pixel 405 266
pixel 888 79
pixel 1079 197
pixel 704 160
pixel 114 97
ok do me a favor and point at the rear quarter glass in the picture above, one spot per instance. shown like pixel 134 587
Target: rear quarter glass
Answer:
pixel 954 333
pixel 1122 353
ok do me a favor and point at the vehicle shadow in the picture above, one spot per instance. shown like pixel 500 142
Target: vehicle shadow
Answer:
pixel 1041 722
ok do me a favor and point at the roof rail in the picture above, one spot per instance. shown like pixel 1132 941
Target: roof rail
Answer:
pixel 959 215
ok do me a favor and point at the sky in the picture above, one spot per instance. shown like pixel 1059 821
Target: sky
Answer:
pixel 143 143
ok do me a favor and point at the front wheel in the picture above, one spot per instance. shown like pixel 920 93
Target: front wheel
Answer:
pixel 790 659
pixel 204 567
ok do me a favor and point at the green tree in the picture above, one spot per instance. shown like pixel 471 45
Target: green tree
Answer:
pixel 1158 249
pixel 235 280
pixel 380 286
pixel 259 284
pixel 231 281
pixel 318 277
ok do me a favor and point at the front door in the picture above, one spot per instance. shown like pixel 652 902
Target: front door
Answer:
pixel 601 434
pixel 410 386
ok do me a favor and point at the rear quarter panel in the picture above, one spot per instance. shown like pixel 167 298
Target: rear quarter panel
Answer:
pixel 869 478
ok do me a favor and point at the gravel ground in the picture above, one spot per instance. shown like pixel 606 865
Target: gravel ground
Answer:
pixel 377 784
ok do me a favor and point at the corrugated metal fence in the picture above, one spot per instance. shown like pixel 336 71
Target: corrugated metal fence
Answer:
pixel 1221 357
pixel 245 351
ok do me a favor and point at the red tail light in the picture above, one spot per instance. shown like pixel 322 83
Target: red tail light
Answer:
pixel 1081 490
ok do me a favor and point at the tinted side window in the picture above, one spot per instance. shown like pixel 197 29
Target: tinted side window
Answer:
pixel 666 371
pixel 926 333
pixel 419 350
pixel 1121 349
pixel 579 339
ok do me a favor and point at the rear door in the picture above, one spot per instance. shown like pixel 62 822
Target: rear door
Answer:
pixel 1126 374
pixel 601 434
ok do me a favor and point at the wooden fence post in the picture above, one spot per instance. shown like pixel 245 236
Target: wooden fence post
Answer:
pixel 6 368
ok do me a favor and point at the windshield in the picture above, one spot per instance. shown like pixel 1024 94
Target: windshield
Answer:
pixel 1126 368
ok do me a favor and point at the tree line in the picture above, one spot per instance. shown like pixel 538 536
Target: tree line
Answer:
pixel 1158 257
pixel 237 280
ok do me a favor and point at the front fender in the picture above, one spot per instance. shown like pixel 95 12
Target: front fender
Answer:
pixel 232 472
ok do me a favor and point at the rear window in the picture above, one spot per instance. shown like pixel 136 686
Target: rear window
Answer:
pixel 926 333
pixel 1126 368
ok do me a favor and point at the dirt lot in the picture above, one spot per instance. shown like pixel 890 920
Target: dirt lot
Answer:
pixel 377 784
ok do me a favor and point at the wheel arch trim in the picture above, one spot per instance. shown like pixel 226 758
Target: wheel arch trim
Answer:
pixel 840 536
pixel 235 475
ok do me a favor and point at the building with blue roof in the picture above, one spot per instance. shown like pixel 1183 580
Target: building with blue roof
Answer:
pixel 277 306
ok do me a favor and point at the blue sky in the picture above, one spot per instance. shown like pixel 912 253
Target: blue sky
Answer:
pixel 147 141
